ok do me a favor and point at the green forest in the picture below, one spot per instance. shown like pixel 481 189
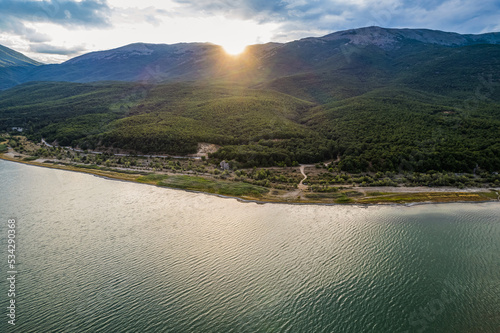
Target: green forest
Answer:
pixel 423 109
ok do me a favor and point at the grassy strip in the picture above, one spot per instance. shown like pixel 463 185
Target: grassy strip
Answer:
pixel 344 200
pixel 491 194
pixel 431 197
pixel 339 197
pixel 353 194
pixel 324 195
pixel 151 178
pixel 373 194
pixel 208 185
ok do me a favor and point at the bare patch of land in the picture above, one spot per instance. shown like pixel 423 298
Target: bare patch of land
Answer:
pixel 205 148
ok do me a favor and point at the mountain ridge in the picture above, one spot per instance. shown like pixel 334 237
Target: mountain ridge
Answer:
pixel 382 36
pixel 370 99
pixel 14 67
pixel 12 58
pixel 136 49
pixel 144 62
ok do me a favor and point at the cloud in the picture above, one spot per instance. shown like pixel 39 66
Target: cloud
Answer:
pixel 455 15
pixel 19 16
pixel 151 15
pixel 259 10
pixel 59 50
pixel 88 13
pixel 298 17
pixel 27 21
pixel 283 10
pixel 28 33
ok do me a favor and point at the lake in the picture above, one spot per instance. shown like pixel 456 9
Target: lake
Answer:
pixel 99 255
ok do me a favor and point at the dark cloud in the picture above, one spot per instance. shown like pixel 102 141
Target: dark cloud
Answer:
pixel 260 10
pixel 59 50
pixel 298 16
pixel 273 10
pixel 93 13
pixel 86 13
pixel 19 28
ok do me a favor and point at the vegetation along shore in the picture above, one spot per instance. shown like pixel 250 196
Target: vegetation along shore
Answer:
pixel 313 183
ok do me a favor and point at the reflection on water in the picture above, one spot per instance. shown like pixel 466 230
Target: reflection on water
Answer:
pixel 97 255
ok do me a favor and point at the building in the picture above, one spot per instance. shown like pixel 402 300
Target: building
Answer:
pixel 224 165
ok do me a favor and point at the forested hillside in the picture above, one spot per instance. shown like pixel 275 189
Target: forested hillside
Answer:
pixel 368 99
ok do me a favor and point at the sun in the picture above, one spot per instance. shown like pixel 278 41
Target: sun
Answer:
pixel 235 35
pixel 234 48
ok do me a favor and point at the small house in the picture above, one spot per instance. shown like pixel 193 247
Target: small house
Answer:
pixel 224 165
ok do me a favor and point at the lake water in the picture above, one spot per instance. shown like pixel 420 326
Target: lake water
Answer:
pixel 97 255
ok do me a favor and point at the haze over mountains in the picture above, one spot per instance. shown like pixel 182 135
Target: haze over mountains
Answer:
pixel 378 99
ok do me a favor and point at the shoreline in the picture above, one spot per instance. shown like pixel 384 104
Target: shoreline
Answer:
pixel 445 192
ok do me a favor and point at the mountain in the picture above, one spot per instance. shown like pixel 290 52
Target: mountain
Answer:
pixel 371 52
pixel 378 99
pixel 142 62
pixel 11 58
pixel 135 62
pixel 14 66
pixel 394 38
pixel 352 62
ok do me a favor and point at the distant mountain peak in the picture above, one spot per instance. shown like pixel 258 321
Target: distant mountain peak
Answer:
pixel 388 38
pixel 133 50
pixel 11 58
pixel 127 51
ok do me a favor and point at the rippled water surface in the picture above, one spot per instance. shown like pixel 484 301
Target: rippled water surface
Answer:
pixel 97 255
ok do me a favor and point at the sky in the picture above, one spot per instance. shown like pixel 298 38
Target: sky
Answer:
pixel 53 31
